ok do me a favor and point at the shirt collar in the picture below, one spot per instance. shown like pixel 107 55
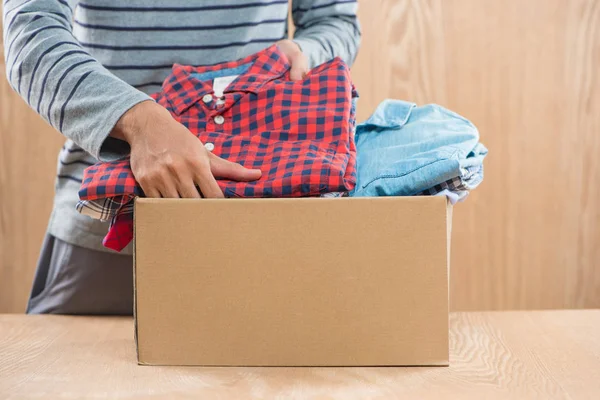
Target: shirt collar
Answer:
pixel 182 89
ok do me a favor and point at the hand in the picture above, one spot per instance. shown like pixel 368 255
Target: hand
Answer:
pixel 296 57
pixel 167 160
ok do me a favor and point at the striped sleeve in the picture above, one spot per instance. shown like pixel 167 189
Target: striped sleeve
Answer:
pixel 71 90
pixel 326 29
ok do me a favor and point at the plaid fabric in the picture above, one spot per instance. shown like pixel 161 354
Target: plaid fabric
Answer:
pixel 105 209
pixel 120 232
pixel 470 178
pixel 298 133
pixel 452 185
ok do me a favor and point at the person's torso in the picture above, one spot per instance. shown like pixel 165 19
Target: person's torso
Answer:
pixel 140 40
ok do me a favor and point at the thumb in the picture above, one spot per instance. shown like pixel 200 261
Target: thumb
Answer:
pixel 299 67
pixel 221 168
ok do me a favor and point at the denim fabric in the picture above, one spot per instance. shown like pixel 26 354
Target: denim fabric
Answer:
pixel 404 150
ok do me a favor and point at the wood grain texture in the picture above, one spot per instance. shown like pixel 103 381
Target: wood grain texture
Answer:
pixel 497 355
pixel 536 219
pixel 527 73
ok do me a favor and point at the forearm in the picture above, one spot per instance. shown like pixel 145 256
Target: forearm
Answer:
pixel 326 29
pixel 47 66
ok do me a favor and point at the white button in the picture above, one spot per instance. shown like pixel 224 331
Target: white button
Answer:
pixel 207 98
pixel 219 119
pixel 209 146
pixel 220 101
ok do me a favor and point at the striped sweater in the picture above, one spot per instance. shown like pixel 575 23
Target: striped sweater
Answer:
pixel 82 64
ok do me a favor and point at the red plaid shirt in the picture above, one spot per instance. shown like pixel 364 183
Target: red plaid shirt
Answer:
pixel 298 133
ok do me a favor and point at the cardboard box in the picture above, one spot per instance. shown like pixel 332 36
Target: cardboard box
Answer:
pixel 292 282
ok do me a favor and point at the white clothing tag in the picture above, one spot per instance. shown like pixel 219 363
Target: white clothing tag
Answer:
pixel 220 84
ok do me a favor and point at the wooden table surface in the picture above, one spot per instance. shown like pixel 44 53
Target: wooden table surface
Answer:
pixel 529 355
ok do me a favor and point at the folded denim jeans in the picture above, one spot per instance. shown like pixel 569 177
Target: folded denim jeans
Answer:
pixel 406 150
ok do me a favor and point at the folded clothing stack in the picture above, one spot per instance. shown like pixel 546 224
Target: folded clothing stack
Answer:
pixel 298 133
pixel 405 150
pixel 303 137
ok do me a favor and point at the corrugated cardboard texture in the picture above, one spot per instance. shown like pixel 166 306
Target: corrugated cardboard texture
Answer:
pixel 292 282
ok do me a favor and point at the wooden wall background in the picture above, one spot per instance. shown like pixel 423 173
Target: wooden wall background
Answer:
pixel 527 73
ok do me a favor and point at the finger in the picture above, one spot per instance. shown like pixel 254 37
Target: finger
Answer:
pixel 226 169
pixel 209 187
pixel 299 67
pixel 187 189
pixel 207 183
pixel 149 190
pixel 168 190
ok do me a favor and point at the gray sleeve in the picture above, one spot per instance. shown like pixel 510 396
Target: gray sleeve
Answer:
pixel 326 29
pixel 71 90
